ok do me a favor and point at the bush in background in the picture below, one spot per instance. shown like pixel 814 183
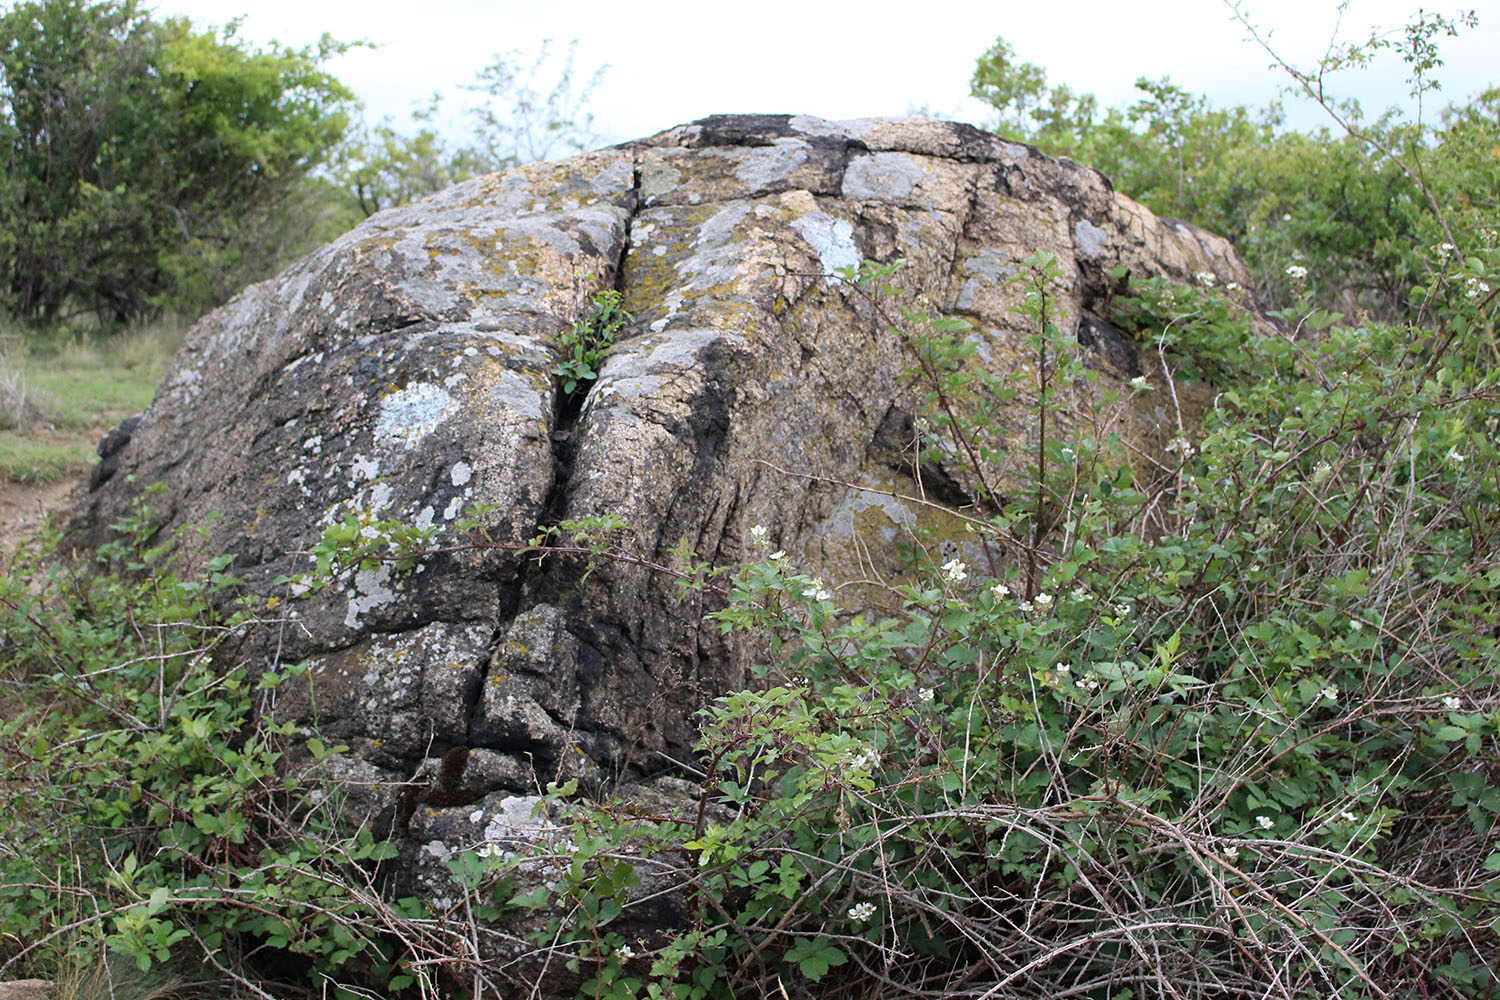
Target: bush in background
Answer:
pixel 148 165
pixel 1358 207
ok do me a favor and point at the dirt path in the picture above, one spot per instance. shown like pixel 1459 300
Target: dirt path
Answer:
pixel 24 506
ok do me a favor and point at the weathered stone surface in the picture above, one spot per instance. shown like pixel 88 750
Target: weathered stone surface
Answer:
pixel 26 989
pixel 406 371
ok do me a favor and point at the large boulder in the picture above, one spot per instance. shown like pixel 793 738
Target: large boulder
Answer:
pixel 406 371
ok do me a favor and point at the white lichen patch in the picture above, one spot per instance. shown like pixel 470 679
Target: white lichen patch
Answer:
pixel 640 234
pixel 461 473
pixel 990 266
pixel 409 415
pixel 766 165
pixel 673 302
pixel 833 239
pixel 362 468
pixel 372 590
pixel 1089 238
pixel 658 178
pixel 613 179
pixel 856 128
pixel 380 498
pixel 516 816
pixel 709 264
pixel 516 393
pixel 883 177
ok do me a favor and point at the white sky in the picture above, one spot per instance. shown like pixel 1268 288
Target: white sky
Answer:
pixel 672 62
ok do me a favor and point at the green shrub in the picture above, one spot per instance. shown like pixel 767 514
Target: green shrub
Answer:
pixel 584 344
pixel 145 807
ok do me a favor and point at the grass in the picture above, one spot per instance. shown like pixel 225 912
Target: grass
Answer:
pixel 40 460
pixel 60 390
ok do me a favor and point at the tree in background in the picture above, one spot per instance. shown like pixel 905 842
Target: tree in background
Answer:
pixel 147 164
pixel 1346 214
pixel 518 118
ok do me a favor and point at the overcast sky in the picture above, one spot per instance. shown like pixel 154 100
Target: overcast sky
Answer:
pixel 672 62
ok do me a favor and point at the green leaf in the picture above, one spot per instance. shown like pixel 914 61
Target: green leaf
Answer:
pixel 815 956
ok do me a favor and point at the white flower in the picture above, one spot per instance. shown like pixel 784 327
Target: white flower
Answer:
pixel 1454 457
pixel 1232 853
pixel 758 536
pixel 1064 669
pixel 1121 610
pixel 866 759
pixel 1331 693
pixel 1355 624
pixel 1000 590
pixel 489 849
pixel 955 571
pixel 817 592
pixel 1205 279
pixel 1089 683
pixel 925 694
pixel 778 554
pixel 624 953
pixel 1348 817
pixel 861 911
pixel 1477 288
pixel 1044 599
pixel 1452 704
pixel 1296 272
pixel 1265 822
pixel 1322 472
pixel 1024 607
pixel 1445 250
pixel 1182 445
pixel 1079 594
pixel 1233 286
pixel 1287 217
pixel 1139 384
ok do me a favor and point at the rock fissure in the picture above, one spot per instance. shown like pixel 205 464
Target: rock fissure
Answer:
pixel 563 440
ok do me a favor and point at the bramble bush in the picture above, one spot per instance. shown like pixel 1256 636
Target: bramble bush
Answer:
pixel 148 814
pixel 1233 734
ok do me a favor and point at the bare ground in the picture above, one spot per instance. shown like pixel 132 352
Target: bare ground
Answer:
pixel 24 506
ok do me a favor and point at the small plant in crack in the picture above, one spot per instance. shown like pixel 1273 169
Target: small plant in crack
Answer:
pixel 584 345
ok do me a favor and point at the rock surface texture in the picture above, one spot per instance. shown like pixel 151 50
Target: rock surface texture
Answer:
pixel 406 371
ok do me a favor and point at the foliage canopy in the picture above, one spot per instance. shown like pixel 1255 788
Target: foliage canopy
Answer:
pixel 1355 206
pixel 148 164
